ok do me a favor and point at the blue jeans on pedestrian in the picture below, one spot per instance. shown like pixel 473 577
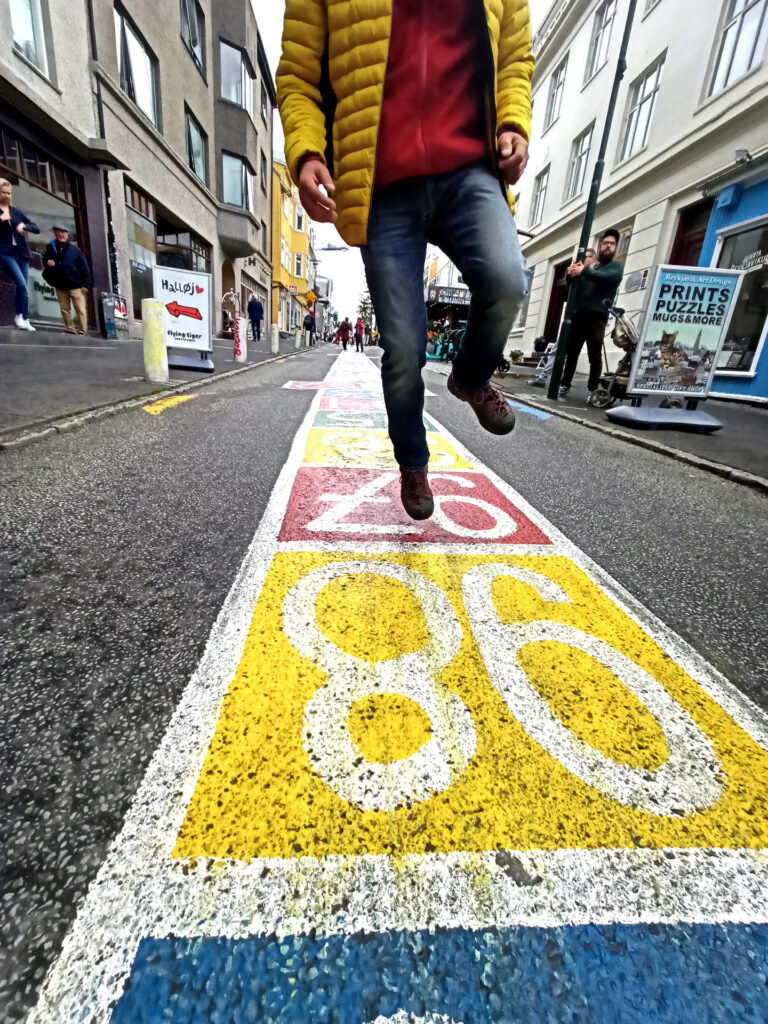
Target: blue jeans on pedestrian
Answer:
pixel 18 271
pixel 465 213
pixel 256 328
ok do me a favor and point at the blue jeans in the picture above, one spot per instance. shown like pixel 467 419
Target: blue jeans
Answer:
pixel 256 328
pixel 466 214
pixel 18 271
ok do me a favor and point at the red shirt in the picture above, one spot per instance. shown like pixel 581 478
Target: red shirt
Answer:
pixel 433 117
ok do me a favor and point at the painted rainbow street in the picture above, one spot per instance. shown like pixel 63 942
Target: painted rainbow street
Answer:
pixel 431 772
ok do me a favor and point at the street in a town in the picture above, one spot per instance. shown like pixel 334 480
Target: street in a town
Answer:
pixel 273 752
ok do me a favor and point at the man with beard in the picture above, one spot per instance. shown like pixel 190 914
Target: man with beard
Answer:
pixel 598 282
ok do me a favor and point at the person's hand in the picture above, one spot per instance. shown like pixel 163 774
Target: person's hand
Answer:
pixel 21 228
pixel 513 156
pixel 575 269
pixel 51 263
pixel 318 205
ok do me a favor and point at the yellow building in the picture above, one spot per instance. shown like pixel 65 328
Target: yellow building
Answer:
pixel 292 269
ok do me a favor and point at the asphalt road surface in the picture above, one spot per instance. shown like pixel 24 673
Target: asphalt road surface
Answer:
pixel 466 846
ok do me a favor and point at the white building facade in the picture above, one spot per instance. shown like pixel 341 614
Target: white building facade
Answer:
pixel 686 170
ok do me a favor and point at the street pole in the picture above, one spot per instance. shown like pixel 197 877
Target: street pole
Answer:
pixel 589 214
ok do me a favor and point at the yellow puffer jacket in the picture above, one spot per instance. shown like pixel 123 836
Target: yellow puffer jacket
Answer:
pixel 355 36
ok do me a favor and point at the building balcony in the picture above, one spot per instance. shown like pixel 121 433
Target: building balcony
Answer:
pixel 239 232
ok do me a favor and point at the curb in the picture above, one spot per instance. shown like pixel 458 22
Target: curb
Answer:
pixel 738 476
pixel 80 419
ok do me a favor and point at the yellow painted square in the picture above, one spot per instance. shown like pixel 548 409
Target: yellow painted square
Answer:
pixel 373 448
pixel 257 795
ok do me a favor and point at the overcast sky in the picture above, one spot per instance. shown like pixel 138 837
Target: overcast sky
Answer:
pixel 345 268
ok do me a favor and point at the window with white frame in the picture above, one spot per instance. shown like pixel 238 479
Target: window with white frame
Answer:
pixel 237 182
pixel 236 77
pixel 642 103
pixel 555 97
pixel 197 146
pixel 137 66
pixel 602 27
pixel 193 31
pixel 28 32
pixel 264 174
pixel 299 218
pixel 743 39
pixel 298 264
pixel 539 197
pixel 577 168
pixel 264 107
pixel 287 208
pixel 745 247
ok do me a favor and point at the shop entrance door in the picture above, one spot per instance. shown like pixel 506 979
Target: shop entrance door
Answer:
pixel 689 237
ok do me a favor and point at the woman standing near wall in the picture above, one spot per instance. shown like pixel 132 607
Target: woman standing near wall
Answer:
pixel 14 251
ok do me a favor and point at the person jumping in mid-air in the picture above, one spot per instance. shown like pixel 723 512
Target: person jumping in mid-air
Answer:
pixel 430 108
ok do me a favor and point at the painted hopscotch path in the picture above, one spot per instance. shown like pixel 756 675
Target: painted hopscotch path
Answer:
pixel 431 772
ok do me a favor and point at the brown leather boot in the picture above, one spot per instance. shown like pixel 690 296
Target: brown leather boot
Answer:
pixel 415 493
pixel 489 404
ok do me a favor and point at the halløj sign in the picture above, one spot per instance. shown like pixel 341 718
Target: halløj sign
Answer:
pixel 186 299
pixel 684 329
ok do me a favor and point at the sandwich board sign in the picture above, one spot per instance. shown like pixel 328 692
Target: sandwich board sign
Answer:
pixel 683 332
pixel 186 299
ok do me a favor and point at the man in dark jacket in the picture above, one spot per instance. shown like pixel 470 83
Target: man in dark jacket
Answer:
pixel 598 282
pixel 310 326
pixel 66 269
pixel 255 315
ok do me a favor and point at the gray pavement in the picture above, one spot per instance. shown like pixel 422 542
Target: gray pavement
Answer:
pixel 50 374
pixel 120 542
pixel 742 443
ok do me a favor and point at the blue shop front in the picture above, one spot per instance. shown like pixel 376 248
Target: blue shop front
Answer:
pixel 737 239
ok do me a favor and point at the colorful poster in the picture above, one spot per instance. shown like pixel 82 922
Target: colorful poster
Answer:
pixel 684 329
pixel 186 298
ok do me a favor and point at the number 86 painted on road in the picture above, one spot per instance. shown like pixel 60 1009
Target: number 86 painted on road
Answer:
pixel 688 781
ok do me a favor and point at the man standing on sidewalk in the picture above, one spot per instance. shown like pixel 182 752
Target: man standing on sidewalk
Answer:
pixel 599 282
pixel 430 107
pixel 66 269
pixel 255 315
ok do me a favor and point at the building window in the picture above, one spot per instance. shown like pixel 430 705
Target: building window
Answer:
pixel 539 197
pixel 193 31
pixel 577 169
pixel 743 41
pixel 197 147
pixel 138 68
pixel 298 264
pixel 237 178
pixel 264 106
pixel 601 37
pixel 746 250
pixel 28 32
pixel 142 244
pixel 183 250
pixel 287 208
pixel 264 239
pixel 555 98
pixel 236 78
pixel 300 217
pixel 264 174
pixel 642 103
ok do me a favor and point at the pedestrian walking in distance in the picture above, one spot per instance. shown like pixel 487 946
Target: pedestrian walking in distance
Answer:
pixel 66 269
pixel 359 331
pixel 309 326
pixel 14 252
pixel 429 109
pixel 345 331
pixel 255 315
pixel 599 283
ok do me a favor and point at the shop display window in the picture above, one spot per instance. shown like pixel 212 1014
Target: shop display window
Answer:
pixel 746 249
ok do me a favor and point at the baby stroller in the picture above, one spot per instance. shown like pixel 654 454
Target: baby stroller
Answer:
pixel 613 386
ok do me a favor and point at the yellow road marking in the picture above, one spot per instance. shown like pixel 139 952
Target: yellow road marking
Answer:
pixel 155 408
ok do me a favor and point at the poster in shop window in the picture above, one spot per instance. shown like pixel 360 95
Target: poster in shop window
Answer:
pixel 683 331
pixel 186 299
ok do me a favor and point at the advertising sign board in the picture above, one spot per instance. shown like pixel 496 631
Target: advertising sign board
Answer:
pixel 684 329
pixel 186 299
pixel 450 296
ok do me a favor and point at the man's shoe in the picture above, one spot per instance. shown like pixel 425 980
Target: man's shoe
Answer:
pixel 490 405
pixel 563 392
pixel 415 493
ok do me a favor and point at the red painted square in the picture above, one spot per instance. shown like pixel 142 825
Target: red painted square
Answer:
pixel 364 505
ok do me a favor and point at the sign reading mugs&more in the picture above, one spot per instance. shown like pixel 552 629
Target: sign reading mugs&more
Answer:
pixel 684 330
pixel 186 299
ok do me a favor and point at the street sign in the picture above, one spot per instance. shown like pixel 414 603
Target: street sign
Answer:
pixel 451 296
pixel 186 299
pixel 293 289
pixel 684 329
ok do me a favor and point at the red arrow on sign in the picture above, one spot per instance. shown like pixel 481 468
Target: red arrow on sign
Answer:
pixel 176 310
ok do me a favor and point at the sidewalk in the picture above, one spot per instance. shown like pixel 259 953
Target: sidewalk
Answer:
pixel 742 444
pixel 50 374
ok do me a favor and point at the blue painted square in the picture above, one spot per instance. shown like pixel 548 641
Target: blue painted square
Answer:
pixel 619 974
